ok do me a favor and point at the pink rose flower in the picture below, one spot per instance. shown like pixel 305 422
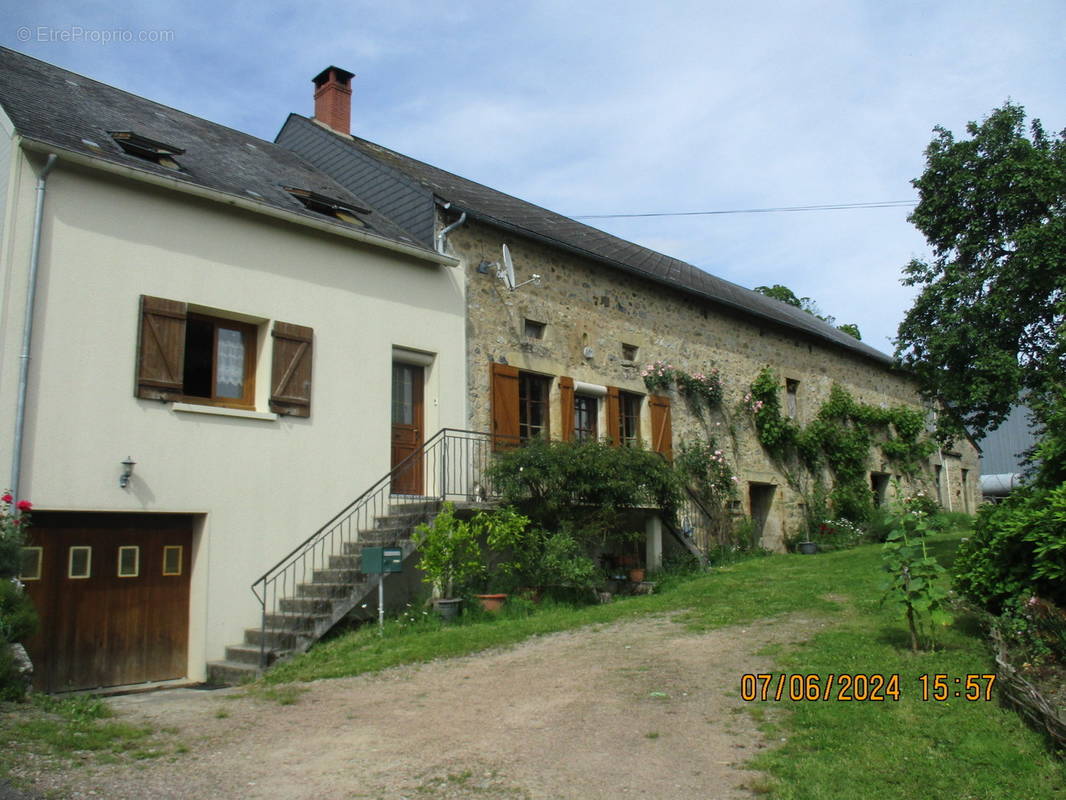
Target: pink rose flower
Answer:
pixel 7 498
pixel 24 505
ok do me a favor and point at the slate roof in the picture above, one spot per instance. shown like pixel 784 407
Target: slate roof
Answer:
pixel 68 111
pixel 403 178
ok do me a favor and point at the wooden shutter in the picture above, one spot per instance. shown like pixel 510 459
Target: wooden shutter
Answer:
pixel 566 406
pixel 161 349
pixel 504 382
pixel 290 373
pixel 614 416
pixel 662 438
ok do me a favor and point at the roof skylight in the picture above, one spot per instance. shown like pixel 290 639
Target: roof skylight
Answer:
pixel 149 149
pixel 329 206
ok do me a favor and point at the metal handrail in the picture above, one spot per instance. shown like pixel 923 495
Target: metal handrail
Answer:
pixel 452 463
pixel 691 503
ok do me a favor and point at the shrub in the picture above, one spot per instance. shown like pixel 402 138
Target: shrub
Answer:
pixel 18 618
pixel 1018 548
pixel 839 533
pixel 533 557
pixel 1033 629
pixel 449 553
pixel 585 488
pixel 913 576
pixel 705 466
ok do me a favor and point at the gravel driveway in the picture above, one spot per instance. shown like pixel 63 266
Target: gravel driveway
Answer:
pixel 639 709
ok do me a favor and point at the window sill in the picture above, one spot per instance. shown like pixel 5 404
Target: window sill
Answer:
pixel 222 411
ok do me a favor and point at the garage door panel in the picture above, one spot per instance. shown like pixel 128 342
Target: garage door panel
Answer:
pixel 110 629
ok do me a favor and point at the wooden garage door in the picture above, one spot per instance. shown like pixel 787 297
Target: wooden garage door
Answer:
pixel 112 593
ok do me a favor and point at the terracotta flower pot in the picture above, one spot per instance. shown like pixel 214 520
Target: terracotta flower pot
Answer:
pixel 491 602
pixel 636 575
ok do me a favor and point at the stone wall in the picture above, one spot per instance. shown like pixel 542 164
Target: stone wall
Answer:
pixel 584 304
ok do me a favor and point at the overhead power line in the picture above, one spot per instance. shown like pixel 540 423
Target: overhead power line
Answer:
pixel 825 207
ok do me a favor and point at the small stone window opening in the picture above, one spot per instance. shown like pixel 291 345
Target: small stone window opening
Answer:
pixel 533 329
pixel 629 352
pixel 791 393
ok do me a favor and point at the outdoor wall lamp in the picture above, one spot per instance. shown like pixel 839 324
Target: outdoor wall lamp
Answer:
pixel 127 471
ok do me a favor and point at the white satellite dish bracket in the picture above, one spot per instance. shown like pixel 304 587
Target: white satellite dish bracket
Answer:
pixel 505 272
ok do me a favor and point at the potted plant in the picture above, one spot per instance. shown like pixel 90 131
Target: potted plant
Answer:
pixel 492 602
pixel 449 557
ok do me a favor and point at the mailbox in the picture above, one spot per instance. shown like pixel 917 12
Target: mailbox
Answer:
pixel 378 560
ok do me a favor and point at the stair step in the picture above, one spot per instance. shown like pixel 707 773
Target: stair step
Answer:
pixel 305 605
pixel 426 506
pixel 275 639
pixel 344 562
pixel 337 576
pixel 243 654
pixel 322 590
pixel 295 622
pixel 398 538
pixel 404 518
pixel 386 536
pixel 231 673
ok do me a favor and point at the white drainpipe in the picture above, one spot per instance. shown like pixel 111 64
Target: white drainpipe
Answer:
pixel 443 235
pixel 27 328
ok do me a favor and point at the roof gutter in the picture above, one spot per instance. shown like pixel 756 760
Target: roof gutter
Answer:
pixel 247 204
pixel 27 326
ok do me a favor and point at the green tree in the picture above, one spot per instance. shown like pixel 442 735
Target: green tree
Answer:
pixel 988 323
pixel 786 295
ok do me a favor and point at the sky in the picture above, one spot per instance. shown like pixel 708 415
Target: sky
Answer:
pixel 589 107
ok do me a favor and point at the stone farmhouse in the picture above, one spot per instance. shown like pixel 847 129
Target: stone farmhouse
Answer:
pixel 227 365
pixel 563 356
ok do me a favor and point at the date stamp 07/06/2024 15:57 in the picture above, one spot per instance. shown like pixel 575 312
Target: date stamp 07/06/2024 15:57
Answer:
pixel 875 687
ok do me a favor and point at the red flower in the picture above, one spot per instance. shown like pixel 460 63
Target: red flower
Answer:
pixel 7 498
pixel 24 505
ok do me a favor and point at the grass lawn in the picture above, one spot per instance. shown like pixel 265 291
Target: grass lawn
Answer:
pixel 910 748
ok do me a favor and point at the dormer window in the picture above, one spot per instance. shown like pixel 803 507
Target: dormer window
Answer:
pixel 329 206
pixel 149 149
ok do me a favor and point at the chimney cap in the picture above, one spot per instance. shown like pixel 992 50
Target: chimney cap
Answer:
pixel 343 76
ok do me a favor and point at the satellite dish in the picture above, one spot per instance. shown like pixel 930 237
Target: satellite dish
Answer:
pixel 508 269
pixel 505 271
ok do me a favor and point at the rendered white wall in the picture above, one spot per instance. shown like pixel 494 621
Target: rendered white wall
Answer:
pixel 262 486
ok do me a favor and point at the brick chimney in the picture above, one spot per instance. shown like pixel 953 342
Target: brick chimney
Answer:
pixel 333 98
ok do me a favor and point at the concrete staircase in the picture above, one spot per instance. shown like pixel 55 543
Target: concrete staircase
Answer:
pixel 335 592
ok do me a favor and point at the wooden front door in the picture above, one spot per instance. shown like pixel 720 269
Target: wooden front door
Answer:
pixel 112 597
pixel 407 430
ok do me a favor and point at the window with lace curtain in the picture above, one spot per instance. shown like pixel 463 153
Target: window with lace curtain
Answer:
pixel 219 361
